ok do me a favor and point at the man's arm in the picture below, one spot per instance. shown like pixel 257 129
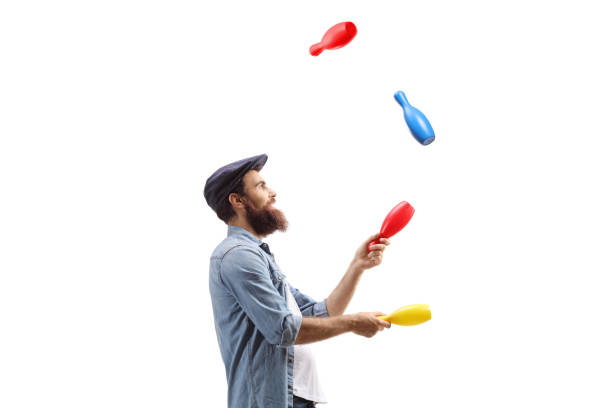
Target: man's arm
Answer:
pixel 340 297
pixel 244 273
pixel 364 259
pixel 322 328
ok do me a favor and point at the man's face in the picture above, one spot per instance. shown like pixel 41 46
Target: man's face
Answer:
pixel 260 213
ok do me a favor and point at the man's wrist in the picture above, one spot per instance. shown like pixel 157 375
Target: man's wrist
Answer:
pixel 355 268
pixel 348 322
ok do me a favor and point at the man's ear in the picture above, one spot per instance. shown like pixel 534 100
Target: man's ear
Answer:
pixel 236 200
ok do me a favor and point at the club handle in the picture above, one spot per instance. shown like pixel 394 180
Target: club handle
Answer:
pixel 316 49
pixel 400 97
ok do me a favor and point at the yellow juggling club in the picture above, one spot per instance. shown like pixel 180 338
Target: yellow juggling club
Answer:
pixel 408 315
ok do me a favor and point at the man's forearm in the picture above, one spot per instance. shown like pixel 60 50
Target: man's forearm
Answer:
pixel 321 328
pixel 339 299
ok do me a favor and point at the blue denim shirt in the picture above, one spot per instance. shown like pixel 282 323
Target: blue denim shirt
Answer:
pixel 255 328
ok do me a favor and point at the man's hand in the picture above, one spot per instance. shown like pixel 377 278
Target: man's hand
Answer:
pixel 322 328
pixel 367 324
pixel 366 259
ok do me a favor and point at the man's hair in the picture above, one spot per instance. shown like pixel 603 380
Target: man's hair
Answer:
pixel 225 211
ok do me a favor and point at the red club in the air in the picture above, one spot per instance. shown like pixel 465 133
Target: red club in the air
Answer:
pixel 397 219
pixel 336 37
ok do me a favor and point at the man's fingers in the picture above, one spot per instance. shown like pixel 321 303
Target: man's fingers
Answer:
pixel 375 253
pixel 378 247
pixel 375 257
pixel 383 324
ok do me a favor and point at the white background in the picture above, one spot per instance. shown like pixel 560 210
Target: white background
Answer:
pixel 114 113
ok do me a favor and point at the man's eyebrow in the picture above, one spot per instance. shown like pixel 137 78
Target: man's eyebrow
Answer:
pixel 261 182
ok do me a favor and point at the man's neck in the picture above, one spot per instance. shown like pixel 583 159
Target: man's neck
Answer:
pixel 244 224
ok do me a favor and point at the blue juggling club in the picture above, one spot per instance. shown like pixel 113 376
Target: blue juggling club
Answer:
pixel 417 122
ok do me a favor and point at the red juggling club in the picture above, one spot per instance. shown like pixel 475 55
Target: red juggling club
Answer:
pixel 394 222
pixel 336 37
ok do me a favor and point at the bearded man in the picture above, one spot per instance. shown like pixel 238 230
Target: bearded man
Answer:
pixel 264 324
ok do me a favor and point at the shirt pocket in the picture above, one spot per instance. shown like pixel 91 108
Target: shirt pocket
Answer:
pixel 278 278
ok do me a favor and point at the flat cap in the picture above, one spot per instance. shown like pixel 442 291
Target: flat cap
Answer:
pixel 226 179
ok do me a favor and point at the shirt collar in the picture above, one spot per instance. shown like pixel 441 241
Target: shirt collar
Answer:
pixel 235 231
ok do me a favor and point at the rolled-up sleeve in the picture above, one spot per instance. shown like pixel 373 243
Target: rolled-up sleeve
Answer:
pixel 309 306
pixel 245 274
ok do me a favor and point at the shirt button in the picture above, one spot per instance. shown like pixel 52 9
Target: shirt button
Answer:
pixel 290 387
pixel 279 278
pixel 290 360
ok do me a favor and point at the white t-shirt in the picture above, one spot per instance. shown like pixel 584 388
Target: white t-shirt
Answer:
pixel 305 379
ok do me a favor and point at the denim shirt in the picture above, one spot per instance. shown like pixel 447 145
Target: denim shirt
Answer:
pixel 255 328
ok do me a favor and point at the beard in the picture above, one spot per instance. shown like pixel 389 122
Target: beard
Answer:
pixel 266 220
